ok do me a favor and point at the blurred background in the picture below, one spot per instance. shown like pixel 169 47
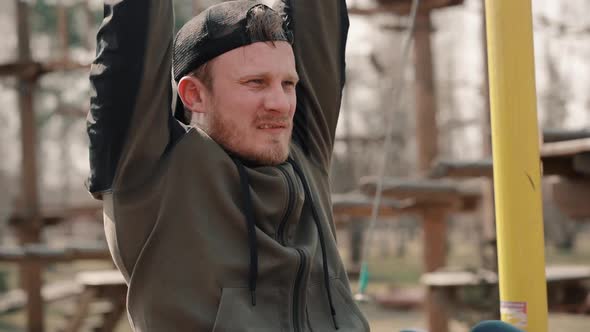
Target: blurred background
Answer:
pixel 432 260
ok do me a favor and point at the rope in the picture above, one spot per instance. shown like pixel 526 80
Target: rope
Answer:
pixel 364 273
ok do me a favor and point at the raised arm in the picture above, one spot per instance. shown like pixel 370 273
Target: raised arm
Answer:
pixel 320 29
pixel 130 123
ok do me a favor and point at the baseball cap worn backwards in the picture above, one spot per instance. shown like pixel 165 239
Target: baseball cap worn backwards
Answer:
pixel 217 30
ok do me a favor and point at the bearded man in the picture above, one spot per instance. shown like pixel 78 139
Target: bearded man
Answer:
pixel 215 188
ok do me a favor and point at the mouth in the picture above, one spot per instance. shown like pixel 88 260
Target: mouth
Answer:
pixel 272 126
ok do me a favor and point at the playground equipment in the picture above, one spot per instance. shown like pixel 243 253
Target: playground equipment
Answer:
pixel 517 172
pixel 426 127
pixel 516 148
pixel 30 216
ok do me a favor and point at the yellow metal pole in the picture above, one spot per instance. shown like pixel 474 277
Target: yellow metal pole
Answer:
pixel 517 175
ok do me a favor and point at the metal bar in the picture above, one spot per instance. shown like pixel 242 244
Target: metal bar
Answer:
pixel 517 173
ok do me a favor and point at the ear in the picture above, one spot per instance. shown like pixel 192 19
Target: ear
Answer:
pixel 193 93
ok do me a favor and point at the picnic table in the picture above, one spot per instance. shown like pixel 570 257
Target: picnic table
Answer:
pixel 433 201
pixel 570 160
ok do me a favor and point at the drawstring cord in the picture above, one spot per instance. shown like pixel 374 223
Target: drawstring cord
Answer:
pixel 321 236
pixel 251 225
pixel 252 241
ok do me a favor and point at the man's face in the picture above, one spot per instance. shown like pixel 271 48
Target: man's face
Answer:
pixel 252 101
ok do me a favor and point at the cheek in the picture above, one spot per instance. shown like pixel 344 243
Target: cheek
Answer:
pixel 238 108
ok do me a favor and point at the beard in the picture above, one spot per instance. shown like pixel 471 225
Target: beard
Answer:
pixel 227 134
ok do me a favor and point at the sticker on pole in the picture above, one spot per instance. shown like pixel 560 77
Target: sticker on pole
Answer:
pixel 514 313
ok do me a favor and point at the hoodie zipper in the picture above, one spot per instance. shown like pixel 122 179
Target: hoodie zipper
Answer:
pixel 296 288
pixel 302 258
pixel 290 204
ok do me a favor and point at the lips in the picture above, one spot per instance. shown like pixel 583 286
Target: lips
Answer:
pixel 272 126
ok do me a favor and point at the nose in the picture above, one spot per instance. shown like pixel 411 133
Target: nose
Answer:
pixel 278 100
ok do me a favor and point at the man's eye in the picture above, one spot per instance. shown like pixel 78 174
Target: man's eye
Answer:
pixel 256 82
pixel 289 83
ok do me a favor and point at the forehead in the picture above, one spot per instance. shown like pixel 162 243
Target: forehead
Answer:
pixel 257 58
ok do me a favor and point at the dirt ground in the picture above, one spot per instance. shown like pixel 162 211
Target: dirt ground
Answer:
pixel 381 320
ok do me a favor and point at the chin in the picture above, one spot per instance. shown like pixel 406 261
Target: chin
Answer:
pixel 269 157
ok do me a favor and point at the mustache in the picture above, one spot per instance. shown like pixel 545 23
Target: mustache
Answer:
pixel 283 121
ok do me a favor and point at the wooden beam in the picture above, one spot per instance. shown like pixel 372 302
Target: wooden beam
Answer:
pixel 565 148
pixel 558 135
pixel 554 274
pixel 425 194
pixel 557 162
pixel 44 255
pixel 31 70
pixel 402 7
pixel 462 169
pixel 54 215
pixel 356 205
pixel 410 188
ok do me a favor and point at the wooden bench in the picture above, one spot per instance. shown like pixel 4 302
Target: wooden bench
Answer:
pixel 565 158
pixel 106 285
pixel 86 289
pixel 433 201
pixel 468 291
pixel 35 257
pixel 42 254
pixel 16 299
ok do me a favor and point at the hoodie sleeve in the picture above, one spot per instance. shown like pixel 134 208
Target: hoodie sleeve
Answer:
pixel 320 29
pixel 130 123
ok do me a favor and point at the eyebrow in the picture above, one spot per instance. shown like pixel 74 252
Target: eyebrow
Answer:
pixel 292 77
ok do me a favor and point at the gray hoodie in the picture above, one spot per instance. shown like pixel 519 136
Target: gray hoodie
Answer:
pixel 205 242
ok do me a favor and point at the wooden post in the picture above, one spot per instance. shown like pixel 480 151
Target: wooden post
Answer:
pixel 426 128
pixel 30 272
pixel 435 247
pixel 64 43
pixel 435 250
pixel 89 33
pixel 427 146
pixel 62 30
